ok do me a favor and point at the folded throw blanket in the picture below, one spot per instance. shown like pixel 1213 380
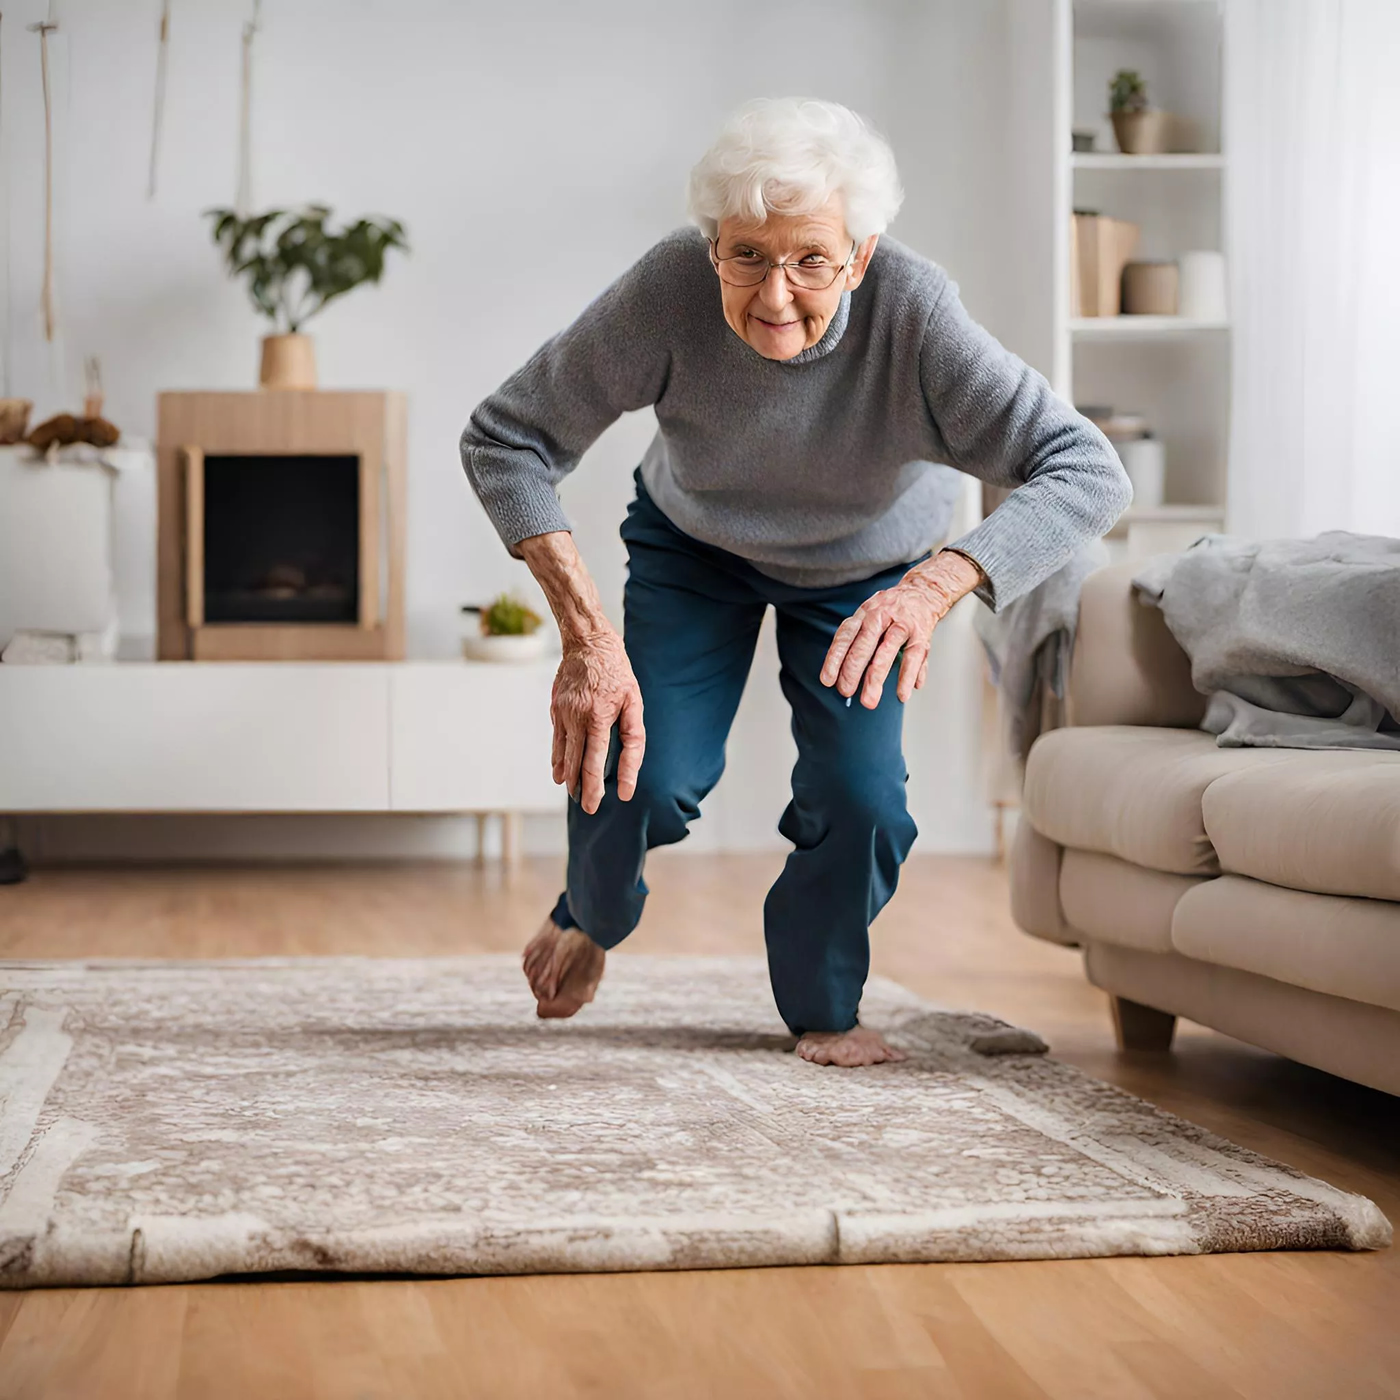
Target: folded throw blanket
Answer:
pixel 1297 642
pixel 1029 642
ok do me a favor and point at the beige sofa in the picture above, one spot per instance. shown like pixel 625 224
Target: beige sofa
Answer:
pixel 1256 891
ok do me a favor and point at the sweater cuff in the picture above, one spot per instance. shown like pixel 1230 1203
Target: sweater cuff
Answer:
pixel 984 547
pixel 527 507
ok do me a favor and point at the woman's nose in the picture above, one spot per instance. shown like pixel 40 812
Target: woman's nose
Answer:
pixel 775 291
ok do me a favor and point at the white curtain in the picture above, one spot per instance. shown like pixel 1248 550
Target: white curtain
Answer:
pixel 1312 127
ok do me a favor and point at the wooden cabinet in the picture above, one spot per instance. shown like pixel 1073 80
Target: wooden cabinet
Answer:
pixel 354 445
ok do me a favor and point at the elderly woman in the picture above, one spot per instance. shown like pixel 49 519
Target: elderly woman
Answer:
pixel 807 376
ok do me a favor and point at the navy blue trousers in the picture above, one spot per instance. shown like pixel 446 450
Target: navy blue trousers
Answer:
pixel 691 621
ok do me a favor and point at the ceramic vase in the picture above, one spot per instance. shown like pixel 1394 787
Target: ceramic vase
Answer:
pixel 517 647
pixel 1140 133
pixel 288 362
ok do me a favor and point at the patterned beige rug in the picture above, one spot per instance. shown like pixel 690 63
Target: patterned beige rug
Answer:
pixel 166 1121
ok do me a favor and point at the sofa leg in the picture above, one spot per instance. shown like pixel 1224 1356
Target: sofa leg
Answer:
pixel 1140 1027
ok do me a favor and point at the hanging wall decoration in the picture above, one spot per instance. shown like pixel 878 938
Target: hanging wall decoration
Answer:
pixel 6 413
pixel 43 29
pixel 158 116
pixel 243 199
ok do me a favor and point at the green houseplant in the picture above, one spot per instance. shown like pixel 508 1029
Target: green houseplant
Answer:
pixel 509 631
pixel 1139 129
pixel 295 264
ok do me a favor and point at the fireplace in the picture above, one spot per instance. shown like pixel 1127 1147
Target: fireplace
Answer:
pixel 281 524
pixel 281 539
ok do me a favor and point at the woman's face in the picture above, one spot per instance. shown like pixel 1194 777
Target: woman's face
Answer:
pixel 776 318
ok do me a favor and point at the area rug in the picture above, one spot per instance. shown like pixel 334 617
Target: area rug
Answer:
pixel 167 1121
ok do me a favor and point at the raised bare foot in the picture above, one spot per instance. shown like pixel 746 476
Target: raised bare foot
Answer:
pixel 563 967
pixel 857 1046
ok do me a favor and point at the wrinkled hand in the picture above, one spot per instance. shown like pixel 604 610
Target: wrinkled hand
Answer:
pixel 594 690
pixel 867 643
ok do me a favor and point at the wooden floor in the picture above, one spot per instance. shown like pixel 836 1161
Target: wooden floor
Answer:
pixel 1268 1326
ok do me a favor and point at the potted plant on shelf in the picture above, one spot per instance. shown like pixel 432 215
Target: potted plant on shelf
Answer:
pixel 1140 130
pixel 509 631
pixel 295 265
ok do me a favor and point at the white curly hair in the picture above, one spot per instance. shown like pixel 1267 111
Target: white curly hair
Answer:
pixel 789 155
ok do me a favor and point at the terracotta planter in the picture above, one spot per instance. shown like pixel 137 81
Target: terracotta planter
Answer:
pixel 288 362
pixel 1141 133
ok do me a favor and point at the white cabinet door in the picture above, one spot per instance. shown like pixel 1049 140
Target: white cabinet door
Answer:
pixel 472 737
pixel 211 737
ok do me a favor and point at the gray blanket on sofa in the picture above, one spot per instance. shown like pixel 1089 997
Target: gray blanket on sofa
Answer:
pixel 1029 642
pixel 1297 642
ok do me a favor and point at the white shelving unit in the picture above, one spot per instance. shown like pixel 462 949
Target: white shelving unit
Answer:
pixel 1114 160
pixel 1140 327
pixel 1173 370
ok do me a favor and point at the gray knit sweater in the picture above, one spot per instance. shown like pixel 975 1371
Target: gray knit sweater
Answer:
pixel 821 469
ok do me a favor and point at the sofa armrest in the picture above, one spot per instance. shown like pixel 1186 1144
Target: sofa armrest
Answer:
pixel 1127 667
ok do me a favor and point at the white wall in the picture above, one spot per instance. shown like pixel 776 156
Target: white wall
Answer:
pixel 532 152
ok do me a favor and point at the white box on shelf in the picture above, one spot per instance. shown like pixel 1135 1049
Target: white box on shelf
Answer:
pixel 55 545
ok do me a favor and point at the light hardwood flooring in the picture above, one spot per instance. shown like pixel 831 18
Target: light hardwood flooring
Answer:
pixel 1270 1326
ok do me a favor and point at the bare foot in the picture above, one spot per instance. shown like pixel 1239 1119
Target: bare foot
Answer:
pixel 858 1046
pixel 563 967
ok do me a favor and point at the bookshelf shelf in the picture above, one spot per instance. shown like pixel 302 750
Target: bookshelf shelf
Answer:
pixel 1105 160
pixel 1141 327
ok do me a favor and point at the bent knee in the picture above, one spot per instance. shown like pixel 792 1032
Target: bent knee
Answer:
pixel 670 800
pixel 865 799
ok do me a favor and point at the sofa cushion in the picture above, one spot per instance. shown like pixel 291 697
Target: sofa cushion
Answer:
pixel 1035 886
pixel 1111 901
pixel 1328 822
pixel 1344 947
pixel 1127 667
pixel 1132 792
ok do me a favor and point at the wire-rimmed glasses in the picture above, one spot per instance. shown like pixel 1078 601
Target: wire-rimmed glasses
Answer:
pixel 812 272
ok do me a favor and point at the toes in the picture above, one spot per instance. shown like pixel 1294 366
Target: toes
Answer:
pixel 848 1051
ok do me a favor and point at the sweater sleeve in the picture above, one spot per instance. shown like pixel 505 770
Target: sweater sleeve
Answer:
pixel 525 438
pixel 1002 423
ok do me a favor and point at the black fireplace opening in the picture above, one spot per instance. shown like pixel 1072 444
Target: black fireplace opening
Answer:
pixel 281 539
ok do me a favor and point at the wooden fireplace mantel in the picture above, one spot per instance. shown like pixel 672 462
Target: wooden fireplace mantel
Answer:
pixel 370 425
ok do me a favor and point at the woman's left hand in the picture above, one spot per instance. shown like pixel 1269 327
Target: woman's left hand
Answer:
pixel 867 643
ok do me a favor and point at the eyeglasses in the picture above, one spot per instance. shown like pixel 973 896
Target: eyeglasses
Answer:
pixel 813 273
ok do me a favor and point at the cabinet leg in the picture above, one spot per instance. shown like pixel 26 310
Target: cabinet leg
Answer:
pixel 511 824
pixel 13 867
pixel 1140 1027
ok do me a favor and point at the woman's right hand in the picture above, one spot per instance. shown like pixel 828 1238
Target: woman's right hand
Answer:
pixel 594 690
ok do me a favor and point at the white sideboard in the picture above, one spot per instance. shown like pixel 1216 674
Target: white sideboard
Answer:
pixel 277 737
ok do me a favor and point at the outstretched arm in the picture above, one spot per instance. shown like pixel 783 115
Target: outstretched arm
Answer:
pixel 519 445
pixel 1000 422
pixel 595 687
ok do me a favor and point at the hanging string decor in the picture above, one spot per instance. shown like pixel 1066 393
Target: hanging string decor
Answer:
pixel 243 198
pixel 158 116
pixel 43 29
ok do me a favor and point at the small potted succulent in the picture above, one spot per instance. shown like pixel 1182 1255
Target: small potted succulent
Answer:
pixel 509 631
pixel 1140 130
pixel 295 265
